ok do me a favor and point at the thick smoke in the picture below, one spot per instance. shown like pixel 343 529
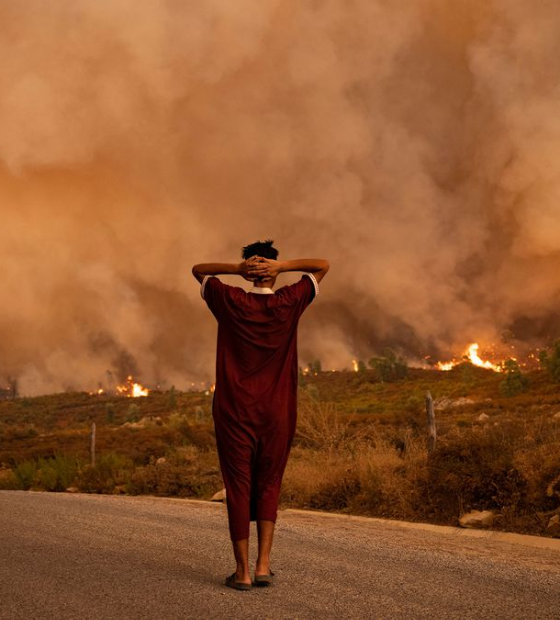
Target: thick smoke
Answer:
pixel 416 145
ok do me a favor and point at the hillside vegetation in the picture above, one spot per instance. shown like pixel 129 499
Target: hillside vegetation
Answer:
pixel 360 445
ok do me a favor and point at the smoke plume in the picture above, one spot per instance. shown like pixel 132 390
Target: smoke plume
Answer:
pixel 416 145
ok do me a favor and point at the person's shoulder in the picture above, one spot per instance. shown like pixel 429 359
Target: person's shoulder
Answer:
pixel 305 283
pixel 216 282
pixel 212 282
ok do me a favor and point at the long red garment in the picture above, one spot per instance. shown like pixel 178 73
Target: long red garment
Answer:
pixel 255 399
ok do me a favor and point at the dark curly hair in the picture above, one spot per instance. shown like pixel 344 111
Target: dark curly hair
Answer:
pixel 260 248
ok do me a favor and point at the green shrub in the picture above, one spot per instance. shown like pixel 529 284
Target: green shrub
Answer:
pixel 514 382
pixel 551 361
pixel 110 470
pixel 389 367
pixel 187 477
pixel 133 413
pixel 415 403
pixel 25 474
pixel 56 474
pixel 314 367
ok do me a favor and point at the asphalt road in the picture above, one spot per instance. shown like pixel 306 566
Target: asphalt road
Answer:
pixel 93 556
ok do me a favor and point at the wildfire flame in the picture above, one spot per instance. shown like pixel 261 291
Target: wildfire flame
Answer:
pixel 474 358
pixel 355 365
pixel 132 389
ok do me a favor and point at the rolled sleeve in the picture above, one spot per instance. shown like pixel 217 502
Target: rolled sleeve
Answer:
pixel 203 285
pixel 315 283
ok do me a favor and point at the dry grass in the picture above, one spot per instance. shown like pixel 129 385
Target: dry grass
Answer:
pixel 512 467
pixel 359 448
pixel 335 465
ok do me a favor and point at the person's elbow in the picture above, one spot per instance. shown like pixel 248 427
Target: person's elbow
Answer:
pixel 319 275
pixel 196 272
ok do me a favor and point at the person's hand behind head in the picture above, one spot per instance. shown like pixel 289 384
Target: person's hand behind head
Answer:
pixel 245 266
pixel 265 268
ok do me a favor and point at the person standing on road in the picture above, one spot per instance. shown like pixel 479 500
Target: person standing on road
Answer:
pixel 254 407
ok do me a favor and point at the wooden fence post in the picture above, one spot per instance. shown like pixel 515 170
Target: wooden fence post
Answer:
pixel 431 422
pixel 92 446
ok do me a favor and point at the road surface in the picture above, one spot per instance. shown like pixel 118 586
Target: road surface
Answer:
pixel 65 555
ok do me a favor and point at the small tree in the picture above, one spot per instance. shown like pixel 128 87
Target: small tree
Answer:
pixel 110 413
pixel 314 367
pixel 389 367
pixel 172 398
pixel 133 413
pixel 514 382
pixel 361 366
pixel 551 361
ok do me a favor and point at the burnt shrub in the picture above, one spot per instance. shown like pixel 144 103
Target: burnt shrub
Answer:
pixel 474 471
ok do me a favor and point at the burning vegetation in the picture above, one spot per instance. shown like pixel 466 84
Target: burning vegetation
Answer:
pixel 471 355
pixel 129 388
pixel 132 389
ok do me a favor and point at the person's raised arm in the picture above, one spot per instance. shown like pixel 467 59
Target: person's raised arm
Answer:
pixel 215 269
pixel 267 267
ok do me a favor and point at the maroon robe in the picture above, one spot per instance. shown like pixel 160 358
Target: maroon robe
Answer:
pixel 255 399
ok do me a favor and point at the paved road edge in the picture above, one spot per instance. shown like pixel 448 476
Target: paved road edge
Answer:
pixel 540 542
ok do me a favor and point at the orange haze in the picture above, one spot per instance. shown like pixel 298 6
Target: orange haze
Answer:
pixel 416 145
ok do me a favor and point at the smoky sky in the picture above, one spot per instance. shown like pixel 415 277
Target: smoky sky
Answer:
pixel 415 145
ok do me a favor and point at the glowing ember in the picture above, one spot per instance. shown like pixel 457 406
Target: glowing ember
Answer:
pixel 355 365
pixel 474 358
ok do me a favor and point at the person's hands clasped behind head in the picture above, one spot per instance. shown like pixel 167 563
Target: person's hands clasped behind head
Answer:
pixel 265 268
pixel 246 267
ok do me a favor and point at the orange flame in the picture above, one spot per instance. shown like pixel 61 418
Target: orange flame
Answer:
pixel 474 358
pixel 132 389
